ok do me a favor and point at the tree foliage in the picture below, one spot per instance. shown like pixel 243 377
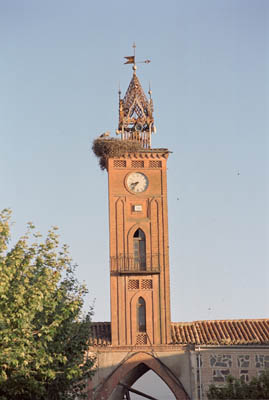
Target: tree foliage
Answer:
pixel 43 334
pixel 257 388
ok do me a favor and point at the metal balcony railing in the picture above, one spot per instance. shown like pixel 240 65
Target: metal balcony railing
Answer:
pixel 130 264
pixel 142 137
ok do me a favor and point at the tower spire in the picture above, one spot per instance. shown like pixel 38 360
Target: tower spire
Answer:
pixel 136 121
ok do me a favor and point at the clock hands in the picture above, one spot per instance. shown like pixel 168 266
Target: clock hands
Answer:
pixel 133 185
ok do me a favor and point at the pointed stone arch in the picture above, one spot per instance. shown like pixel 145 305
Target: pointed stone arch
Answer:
pixel 145 228
pixel 139 249
pixel 131 369
pixel 133 316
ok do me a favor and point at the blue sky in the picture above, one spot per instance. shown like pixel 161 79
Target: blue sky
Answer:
pixel 61 64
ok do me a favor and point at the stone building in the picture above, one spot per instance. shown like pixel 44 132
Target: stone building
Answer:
pixel 141 337
pixel 200 353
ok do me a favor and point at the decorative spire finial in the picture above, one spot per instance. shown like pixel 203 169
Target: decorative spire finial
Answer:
pixel 136 120
pixel 131 60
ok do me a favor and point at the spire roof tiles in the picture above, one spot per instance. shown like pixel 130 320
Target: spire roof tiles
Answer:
pixel 135 94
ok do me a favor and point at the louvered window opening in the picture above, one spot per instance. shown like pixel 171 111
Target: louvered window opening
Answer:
pixel 119 163
pixel 141 339
pixel 133 284
pixel 146 284
pixel 155 164
pixel 137 164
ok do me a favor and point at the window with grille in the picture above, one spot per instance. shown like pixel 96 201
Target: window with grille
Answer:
pixel 133 284
pixel 146 284
pixel 141 339
pixel 155 164
pixel 137 164
pixel 119 163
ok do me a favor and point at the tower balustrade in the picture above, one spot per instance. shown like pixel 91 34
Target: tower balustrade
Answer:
pixel 137 265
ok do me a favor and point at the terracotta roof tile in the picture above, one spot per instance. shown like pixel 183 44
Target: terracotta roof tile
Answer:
pixel 259 330
pixel 222 332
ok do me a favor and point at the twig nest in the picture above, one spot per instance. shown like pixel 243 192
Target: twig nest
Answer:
pixel 106 148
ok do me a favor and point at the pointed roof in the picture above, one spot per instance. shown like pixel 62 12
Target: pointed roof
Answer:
pixel 135 113
pixel 135 96
pixel 136 122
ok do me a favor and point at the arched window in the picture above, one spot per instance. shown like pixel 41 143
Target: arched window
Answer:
pixel 141 315
pixel 139 243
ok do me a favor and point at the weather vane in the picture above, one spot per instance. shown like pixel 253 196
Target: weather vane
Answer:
pixel 131 59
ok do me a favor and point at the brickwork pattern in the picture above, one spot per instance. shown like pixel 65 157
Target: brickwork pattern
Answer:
pixel 119 163
pixel 133 284
pixel 146 284
pixel 124 220
pixel 137 164
pixel 155 164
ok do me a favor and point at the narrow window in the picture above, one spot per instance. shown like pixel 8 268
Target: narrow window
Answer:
pixel 141 315
pixel 139 250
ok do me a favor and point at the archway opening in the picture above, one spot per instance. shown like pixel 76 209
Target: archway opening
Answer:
pixel 145 379
pixel 139 249
pixel 151 384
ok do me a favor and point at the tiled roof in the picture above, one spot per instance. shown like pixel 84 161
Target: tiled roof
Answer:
pixel 222 332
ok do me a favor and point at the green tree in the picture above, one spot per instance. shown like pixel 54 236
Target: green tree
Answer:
pixel 43 333
pixel 257 388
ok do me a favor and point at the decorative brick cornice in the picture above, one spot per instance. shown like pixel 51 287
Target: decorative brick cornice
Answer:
pixel 148 154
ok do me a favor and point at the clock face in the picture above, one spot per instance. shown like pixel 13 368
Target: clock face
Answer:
pixel 137 182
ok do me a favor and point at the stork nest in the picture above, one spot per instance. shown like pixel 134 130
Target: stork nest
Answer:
pixel 106 148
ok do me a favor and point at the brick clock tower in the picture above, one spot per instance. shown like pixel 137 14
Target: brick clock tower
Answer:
pixel 138 226
pixel 140 336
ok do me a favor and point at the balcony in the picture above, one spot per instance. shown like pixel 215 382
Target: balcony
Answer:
pixel 150 264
